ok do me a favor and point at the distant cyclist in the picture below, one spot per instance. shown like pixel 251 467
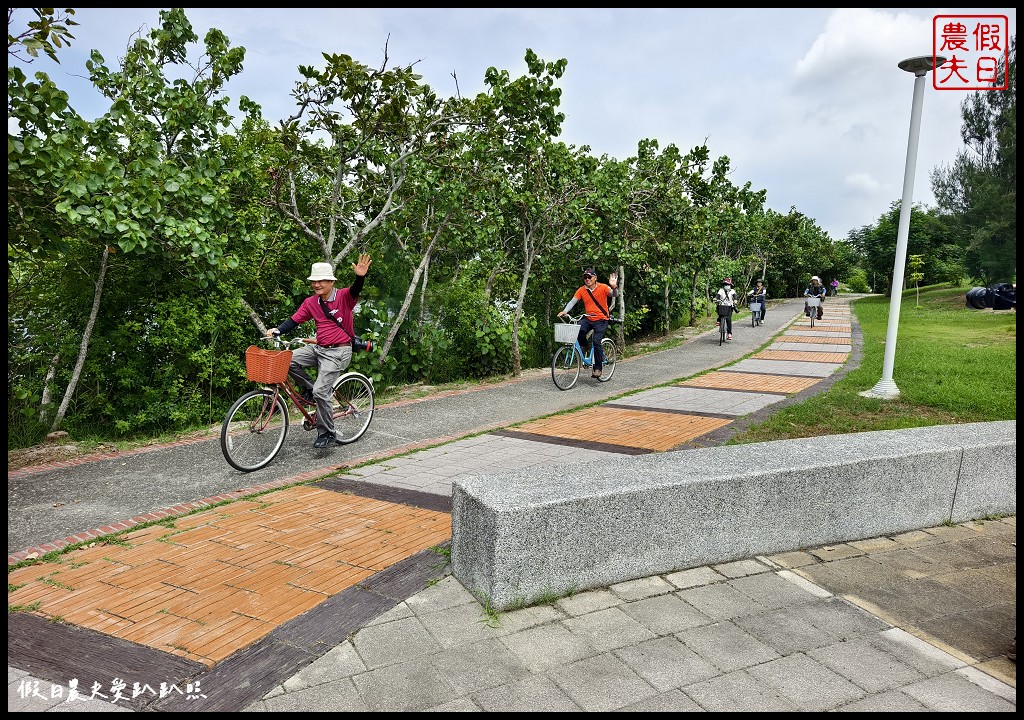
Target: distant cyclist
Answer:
pixel 815 290
pixel 595 296
pixel 726 297
pixel 759 294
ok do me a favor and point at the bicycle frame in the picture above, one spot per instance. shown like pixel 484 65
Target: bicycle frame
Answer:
pixel 569 358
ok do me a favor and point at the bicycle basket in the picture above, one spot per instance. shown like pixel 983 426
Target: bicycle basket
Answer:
pixel 267 366
pixel 566 332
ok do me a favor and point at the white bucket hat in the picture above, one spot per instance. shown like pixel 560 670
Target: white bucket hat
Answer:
pixel 322 271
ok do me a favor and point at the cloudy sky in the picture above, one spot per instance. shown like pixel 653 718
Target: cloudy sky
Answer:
pixel 809 105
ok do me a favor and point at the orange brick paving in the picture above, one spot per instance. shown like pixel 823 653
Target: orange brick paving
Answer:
pixel 751 382
pixel 216 581
pixel 804 355
pixel 814 340
pixel 657 431
pixel 822 326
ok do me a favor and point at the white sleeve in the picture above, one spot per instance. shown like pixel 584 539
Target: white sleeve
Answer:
pixel 571 304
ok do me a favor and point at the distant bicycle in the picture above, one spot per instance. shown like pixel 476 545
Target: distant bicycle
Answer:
pixel 569 358
pixel 254 429
pixel 756 310
pixel 812 306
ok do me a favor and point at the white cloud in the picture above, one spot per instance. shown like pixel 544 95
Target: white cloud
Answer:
pixel 807 104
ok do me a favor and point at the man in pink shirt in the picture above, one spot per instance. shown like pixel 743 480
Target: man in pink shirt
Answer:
pixel 331 310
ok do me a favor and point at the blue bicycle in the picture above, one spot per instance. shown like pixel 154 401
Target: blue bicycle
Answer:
pixel 569 358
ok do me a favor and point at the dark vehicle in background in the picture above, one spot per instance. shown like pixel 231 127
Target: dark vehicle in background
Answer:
pixel 1001 296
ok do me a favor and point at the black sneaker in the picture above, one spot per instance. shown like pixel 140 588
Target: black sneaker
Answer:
pixel 323 440
pixel 307 396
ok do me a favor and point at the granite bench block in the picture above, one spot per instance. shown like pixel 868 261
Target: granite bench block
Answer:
pixel 525 535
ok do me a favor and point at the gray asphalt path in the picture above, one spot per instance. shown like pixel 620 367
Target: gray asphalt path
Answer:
pixel 56 503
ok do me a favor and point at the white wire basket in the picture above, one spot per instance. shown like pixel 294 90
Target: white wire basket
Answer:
pixel 566 332
pixel 755 307
pixel 813 302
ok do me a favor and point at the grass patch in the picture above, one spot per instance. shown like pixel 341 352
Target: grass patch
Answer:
pixel 952 365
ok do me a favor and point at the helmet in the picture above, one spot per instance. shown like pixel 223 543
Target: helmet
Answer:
pixel 816 278
pixel 759 281
pixel 727 281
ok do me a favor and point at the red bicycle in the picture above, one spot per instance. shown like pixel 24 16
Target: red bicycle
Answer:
pixel 255 427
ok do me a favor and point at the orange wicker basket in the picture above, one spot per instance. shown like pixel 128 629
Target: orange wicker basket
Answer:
pixel 267 366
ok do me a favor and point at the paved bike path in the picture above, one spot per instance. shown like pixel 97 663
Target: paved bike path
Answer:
pixel 215 595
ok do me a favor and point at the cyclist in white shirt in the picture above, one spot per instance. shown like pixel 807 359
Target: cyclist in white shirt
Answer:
pixel 726 297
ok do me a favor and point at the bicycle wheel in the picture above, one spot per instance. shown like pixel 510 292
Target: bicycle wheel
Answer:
pixel 610 354
pixel 352 407
pixel 565 367
pixel 254 430
pixel 753 318
pixel 721 329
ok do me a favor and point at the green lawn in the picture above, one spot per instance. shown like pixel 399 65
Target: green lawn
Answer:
pixel 952 365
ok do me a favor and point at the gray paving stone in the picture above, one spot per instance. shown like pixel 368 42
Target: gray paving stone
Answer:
pixel 785 631
pixel 890 701
pixel 479 666
pixel 339 662
pixel 642 588
pixel 336 696
pixel 694 577
pixel 536 693
pixel 608 629
pixel 720 601
pixel 737 692
pixel 741 568
pixel 772 591
pixel 807 683
pixel 670 701
pixel 666 663
pixel 665 614
pixel 394 642
pixel 866 665
pixel 727 646
pixel 407 687
pixel 588 601
pixel 951 692
pixel 601 683
pixel 546 647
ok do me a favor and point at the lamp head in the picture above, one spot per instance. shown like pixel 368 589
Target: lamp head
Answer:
pixel 922 65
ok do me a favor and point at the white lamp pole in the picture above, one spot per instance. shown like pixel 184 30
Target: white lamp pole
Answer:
pixel 920 66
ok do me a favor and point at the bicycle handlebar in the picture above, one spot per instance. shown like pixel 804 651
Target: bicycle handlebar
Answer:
pixel 575 319
pixel 278 342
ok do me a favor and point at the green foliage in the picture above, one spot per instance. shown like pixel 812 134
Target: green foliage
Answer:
pixel 979 190
pixel 48 32
pixel 857 281
pixel 201 214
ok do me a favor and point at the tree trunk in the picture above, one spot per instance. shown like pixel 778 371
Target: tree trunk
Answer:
pixel 83 347
pixel 668 320
pixel 621 330
pixel 44 403
pixel 528 256
pixel 397 324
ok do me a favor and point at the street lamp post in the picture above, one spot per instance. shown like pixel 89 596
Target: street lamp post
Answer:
pixel 886 388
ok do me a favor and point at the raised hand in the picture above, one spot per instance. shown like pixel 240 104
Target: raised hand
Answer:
pixel 363 266
pixel 613 279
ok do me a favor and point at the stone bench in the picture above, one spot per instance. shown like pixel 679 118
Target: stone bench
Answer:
pixel 525 536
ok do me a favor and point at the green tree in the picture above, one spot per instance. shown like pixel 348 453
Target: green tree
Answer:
pixel 979 189
pixel 146 180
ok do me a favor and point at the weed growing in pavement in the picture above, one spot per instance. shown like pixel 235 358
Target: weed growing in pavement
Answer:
pixel 31 607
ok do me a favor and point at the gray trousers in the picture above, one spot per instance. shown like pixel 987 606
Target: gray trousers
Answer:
pixel 330 364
